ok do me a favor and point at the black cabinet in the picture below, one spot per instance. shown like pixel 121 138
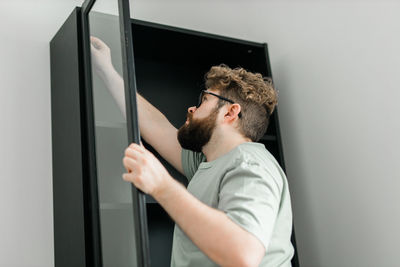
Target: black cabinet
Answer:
pixel 95 215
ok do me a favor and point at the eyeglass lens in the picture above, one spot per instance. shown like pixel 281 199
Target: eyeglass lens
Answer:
pixel 200 99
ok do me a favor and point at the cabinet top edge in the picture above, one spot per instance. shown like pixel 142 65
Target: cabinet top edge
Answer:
pixel 198 33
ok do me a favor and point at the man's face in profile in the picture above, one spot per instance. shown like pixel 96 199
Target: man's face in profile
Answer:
pixel 196 133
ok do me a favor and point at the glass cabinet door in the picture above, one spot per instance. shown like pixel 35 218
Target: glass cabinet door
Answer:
pixel 121 207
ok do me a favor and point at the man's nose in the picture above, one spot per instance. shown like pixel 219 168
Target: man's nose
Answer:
pixel 192 109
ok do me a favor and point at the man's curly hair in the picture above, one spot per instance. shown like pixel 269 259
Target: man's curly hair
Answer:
pixel 254 93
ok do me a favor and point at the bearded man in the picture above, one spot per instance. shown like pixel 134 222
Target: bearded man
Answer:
pixel 236 210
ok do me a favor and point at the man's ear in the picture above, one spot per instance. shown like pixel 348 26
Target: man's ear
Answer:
pixel 232 113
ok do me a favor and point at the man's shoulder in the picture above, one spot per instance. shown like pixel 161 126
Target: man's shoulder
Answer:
pixel 254 153
pixel 255 157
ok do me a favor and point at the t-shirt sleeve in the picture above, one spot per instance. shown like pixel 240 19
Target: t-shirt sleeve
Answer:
pixel 250 196
pixel 191 161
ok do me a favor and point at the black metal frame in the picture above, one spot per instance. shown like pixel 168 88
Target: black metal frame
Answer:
pixel 138 197
pixel 93 236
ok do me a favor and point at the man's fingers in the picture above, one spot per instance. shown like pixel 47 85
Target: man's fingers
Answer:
pixel 129 164
pixel 135 147
pixel 98 44
pixel 92 48
pixel 125 176
pixel 132 153
pixel 129 178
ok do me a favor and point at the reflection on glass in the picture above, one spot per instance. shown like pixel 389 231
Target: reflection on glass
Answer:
pixel 115 197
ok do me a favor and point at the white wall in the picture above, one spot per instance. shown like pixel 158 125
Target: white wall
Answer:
pixel 26 199
pixel 337 67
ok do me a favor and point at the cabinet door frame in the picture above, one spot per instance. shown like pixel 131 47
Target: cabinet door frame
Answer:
pixel 138 197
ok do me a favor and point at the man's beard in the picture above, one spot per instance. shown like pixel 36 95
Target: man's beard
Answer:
pixel 197 132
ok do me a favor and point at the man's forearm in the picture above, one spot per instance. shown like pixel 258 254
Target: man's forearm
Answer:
pixel 149 116
pixel 211 230
pixel 151 120
pixel 115 85
pixel 154 126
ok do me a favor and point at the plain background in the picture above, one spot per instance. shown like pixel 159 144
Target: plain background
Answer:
pixel 336 65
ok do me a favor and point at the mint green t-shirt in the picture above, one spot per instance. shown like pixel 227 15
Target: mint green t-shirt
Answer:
pixel 247 184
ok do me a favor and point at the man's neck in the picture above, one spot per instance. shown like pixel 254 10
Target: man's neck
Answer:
pixel 220 144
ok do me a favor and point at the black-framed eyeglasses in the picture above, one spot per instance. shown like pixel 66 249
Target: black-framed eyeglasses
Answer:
pixel 220 97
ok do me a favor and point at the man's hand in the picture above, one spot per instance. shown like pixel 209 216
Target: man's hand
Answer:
pixel 101 56
pixel 145 171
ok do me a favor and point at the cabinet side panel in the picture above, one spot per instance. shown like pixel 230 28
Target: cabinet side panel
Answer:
pixel 69 235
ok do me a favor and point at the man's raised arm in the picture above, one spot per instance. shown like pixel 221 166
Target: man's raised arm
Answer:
pixel 154 126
